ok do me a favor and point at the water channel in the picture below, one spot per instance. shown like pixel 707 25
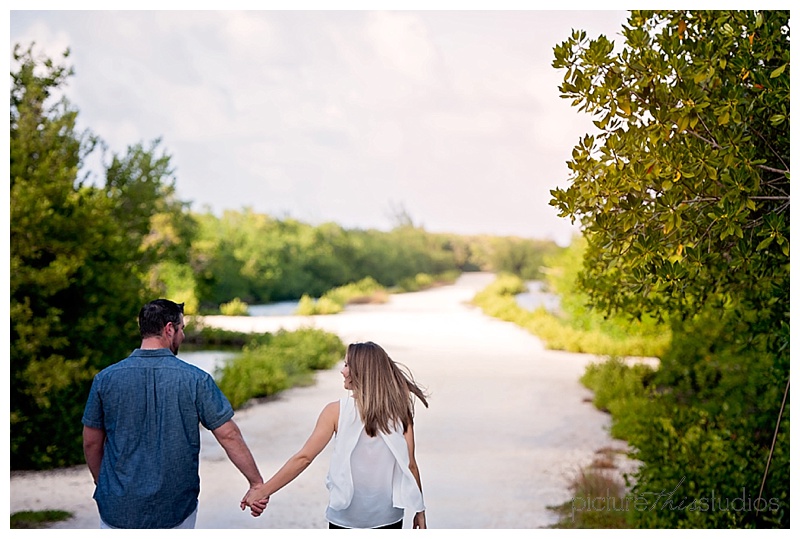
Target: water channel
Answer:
pixel 210 360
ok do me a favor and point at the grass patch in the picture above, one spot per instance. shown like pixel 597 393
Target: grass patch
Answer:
pixel 26 520
pixel 424 281
pixel 201 336
pixel 271 363
pixel 235 307
pixel 572 332
pixel 599 500
pixel 369 291
pixel 266 363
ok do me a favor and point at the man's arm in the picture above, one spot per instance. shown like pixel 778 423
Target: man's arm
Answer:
pixel 93 442
pixel 230 438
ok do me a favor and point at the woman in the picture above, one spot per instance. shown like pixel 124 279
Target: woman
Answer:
pixel 373 475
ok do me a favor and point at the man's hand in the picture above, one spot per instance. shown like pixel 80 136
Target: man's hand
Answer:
pixel 419 521
pixel 254 502
pixel 258 507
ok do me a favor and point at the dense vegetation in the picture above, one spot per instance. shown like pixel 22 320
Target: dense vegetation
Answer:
pixel 88 248
pixel 683 197
pixel 270 363
pixel 574 327
pixel 260 259
pixel 80 254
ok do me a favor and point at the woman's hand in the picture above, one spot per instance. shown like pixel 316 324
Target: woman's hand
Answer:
pixel 419 521
pixel 255 500
pixel 258 496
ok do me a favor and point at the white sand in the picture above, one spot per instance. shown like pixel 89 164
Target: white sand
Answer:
pixel 508 425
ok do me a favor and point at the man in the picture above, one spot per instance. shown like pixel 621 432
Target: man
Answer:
pixel 141 435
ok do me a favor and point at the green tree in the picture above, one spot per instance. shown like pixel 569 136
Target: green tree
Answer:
pixel 60 297
pixel 683 198
pixel 521 256
pixel 141 185
pixel 258 258
pixel 684 191
pixel 242 254
pixel 76 265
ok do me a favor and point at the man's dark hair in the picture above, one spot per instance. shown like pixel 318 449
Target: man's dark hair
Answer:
pixel 157 314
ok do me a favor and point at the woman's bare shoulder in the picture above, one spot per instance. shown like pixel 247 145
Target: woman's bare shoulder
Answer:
pixel 331 406
pixel 330 415
pixel 331 411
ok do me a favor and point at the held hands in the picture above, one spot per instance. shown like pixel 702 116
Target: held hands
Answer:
pixel 255 501
pixel 258 507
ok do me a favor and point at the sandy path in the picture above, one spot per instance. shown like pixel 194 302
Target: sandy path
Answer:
pixel 507 427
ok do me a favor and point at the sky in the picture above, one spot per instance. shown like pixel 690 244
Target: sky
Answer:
pixel 451 116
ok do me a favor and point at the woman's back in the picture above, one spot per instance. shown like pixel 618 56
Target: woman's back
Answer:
pixel 372 467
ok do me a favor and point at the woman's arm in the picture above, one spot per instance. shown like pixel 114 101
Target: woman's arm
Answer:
pixel 323 431
pixel 419 518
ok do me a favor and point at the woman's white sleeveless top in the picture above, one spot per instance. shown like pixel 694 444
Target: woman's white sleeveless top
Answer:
pixel 369 480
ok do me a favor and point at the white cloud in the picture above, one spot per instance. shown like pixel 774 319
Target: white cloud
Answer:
pixel 401 42
pixel 337 115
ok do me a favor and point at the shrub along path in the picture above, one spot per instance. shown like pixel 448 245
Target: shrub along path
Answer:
pixel 508 427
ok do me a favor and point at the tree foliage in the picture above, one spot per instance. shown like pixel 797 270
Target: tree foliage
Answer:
pixel 260 259
pixel 683 193
pixel 683 198
pixel 78 257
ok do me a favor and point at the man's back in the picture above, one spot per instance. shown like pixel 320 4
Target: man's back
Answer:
pixel 150 406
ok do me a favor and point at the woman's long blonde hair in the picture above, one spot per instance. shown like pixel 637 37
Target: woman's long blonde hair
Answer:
pixel 383 389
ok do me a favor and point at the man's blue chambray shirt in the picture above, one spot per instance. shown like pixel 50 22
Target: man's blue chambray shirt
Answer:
pixel 150 406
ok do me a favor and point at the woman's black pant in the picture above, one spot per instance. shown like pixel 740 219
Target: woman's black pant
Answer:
pixel 396 526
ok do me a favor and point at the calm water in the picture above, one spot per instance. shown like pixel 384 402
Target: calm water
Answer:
pixel 208 360
pixel 536 297
pixel 280 308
